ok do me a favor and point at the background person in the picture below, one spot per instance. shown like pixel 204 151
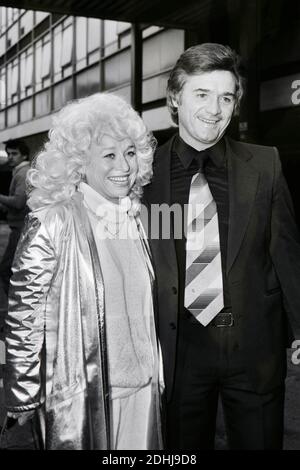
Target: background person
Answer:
pixel 14 206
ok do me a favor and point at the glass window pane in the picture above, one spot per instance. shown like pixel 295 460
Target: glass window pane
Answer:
pixel 22 74
pixel 9 81
pixel 40 16
pixel 81 42
pixel 14 78
pixel 27 22
pixel 66 50
pixel 110 31
pixel 12 35
pixel 2 45
pixel 9 16
pixel 122 26
pixel 46 55
pixel 2 19
pixel 57 52
pixel 38 65
pixel 3 88
pixel 29 70
pixel 94 32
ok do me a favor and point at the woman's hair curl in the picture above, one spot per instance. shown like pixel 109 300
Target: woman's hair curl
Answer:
pixel 60 166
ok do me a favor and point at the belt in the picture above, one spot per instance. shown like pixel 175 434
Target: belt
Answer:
pixel 222 319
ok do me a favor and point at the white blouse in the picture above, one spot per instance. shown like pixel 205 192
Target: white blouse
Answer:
pixel 127 293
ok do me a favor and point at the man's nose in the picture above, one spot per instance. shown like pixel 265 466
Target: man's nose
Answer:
pixel 214 106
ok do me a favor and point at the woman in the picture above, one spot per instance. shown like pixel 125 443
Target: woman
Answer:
pixel 81 346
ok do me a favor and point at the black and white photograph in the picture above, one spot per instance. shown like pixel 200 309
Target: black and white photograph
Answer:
pixel 150 227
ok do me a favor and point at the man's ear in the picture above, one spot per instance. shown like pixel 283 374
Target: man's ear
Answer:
pixel 174 101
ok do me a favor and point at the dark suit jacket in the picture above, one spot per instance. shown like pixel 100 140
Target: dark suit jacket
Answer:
pixel 263 260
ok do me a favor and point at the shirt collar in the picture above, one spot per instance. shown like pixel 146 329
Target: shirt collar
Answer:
pixel 187 154
pixel 17 168
pixel 100 205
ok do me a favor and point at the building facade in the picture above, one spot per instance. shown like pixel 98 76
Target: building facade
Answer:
pixel 48 59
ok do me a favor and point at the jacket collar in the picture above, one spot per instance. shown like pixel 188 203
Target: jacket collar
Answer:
pixel 243 180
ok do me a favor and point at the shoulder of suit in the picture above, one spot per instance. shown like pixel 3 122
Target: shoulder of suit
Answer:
pixel 166 145
pixel 254 149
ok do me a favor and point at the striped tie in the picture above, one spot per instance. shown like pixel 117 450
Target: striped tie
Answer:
pixel 203 285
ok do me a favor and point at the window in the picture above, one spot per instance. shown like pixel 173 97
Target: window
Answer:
pixel 63 50
pixel 94 34
pixel 26 72
pixel 2 19
pixel 12 35
pixel 81 42
pixel 3 88
pixel 124 39
pixel 57 52
pixel 151 30
pixel 2 45
pixel 10 13
pixel 66 50
pixel 26 22
pixel 40 16
pixel 42 62
pixel 12 81
pixel 116 35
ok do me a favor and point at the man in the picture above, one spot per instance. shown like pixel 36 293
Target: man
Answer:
pixel 14 205
pixel 225 287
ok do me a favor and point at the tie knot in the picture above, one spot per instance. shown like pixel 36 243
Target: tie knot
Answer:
pixel 201 159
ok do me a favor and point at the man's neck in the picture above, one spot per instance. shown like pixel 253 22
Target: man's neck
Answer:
pixel 196 144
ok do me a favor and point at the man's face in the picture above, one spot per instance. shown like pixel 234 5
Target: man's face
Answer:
pixel 205 107
pixel 14 157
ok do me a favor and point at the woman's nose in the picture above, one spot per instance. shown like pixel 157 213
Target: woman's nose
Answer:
pixel 122 163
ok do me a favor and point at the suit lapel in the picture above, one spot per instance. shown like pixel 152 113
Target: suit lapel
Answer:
pixel 159 192
pixel 242 180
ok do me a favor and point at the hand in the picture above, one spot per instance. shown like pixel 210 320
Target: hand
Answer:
pixel 22 416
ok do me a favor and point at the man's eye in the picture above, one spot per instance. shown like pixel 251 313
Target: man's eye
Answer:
pixel 227 99
pixel 202 95
pixel 109 155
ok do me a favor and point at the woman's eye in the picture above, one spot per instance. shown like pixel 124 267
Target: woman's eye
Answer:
pixel 131 153
pixel 109 155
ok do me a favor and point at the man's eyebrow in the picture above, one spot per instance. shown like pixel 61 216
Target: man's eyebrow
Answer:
pixel 205 90
pixel 202 89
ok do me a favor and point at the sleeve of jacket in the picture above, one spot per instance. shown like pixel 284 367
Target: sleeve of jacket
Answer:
pixel 17 200
pixel 33 269
pixel 285 244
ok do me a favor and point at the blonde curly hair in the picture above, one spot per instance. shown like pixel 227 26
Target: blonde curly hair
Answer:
pixel 58 169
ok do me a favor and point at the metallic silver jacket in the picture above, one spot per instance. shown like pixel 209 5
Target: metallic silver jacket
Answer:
pixel 56 355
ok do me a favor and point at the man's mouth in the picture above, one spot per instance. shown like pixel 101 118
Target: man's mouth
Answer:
pixel 211 122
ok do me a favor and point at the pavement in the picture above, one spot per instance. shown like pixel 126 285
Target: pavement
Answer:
pixel 21 437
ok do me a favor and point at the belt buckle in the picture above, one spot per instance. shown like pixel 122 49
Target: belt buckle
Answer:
pixel 226 324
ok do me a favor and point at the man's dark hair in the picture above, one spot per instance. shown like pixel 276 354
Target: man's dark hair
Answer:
pixel 18 144
pixel 202 58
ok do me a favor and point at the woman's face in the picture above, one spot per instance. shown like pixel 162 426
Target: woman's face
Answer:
pixel 112 167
